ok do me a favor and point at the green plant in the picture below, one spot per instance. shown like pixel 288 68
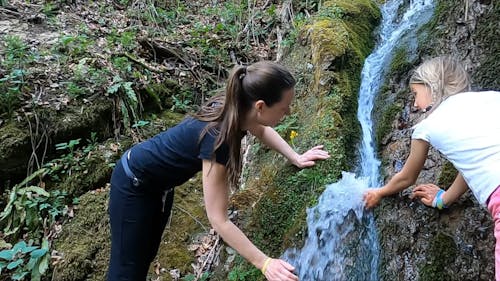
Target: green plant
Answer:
pixel 68 145
pixel 123 64
pixel 49 9
pixel 240 274
pixel 17 56
pixel 299 22
pixel 10 92
pixel 180 103
pixel 67 162
pixel 128 101
pixel 73 89
pixel 24 259
pixel 289 124
pixel 91 143
pixel 74 45
pixel 140 123
pixel 28 205
pixel 17 53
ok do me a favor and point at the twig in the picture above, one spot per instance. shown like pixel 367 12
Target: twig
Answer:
pixel 466 9
pixel 209 257
pixel 195 219
pixel 9 11
pixel 143 64
pixel 279 37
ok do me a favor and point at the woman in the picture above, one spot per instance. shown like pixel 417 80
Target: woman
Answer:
pixel 142 185
pixel 463 126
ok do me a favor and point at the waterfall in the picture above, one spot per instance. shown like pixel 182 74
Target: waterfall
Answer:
pixel 342 241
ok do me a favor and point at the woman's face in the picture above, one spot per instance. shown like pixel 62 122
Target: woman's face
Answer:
pixel 422 94
pixel 272 115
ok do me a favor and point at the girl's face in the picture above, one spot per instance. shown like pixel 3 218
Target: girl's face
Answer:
pixel 422 94
pixel 272 115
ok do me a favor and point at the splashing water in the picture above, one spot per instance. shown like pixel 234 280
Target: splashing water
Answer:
pixel 342 241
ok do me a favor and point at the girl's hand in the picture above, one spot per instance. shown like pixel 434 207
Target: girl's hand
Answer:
pixel 308 158
pixel 425 192
pixel 372 197
pixel 280 270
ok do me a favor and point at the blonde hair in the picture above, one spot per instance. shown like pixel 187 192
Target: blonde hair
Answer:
pixel 264 80
pixel 444 76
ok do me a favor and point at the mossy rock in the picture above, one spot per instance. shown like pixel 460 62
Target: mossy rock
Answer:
pixel 93 174
pixel 75 122
pixel 443 251
pixel 447 175
pixel 15 148
pixel 85 241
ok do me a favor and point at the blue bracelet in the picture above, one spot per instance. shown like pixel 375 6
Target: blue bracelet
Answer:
pixel 438 200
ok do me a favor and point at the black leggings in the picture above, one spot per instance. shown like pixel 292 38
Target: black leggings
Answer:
pixel 138 217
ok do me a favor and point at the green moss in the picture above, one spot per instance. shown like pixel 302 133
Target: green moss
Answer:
pixel 447 175
pixel 159 95
pixel 92 173
pixel 399 64
pixel 14 149
pixel 188 216
pixel 442 252
pixel 484 37
pixel 384 126
pixel 85 241
pixel 487 40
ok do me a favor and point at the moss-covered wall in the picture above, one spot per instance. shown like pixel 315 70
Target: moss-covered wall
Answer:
pixel 457 243
pixel 41 130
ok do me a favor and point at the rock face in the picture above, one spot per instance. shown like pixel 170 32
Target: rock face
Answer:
pixel 417 242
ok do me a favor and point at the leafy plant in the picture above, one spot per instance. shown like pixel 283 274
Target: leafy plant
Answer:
pixel 238 274
pixel 24 259
pixel 10 92
pixel 68 145
pixel 16 57
pixel 140 123
pixel 74 45
pixel 23 206
pixel 288 125
pixel 127 101
pixel 17 53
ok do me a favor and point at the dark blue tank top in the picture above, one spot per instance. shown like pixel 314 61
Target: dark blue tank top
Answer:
pixel 172 157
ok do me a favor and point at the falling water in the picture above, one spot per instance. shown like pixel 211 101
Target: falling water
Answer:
pixel 342 241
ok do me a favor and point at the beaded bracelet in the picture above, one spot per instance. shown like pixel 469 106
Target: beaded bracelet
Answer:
pixel 438 200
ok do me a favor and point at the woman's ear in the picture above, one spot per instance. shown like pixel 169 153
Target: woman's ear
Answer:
pixel 259 105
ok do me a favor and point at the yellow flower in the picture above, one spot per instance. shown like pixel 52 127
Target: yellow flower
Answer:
pixel 293 134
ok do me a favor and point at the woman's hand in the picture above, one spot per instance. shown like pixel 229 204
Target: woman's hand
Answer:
pixel 280 270
pixel 308 158
pixel 425 192
pixel 372 197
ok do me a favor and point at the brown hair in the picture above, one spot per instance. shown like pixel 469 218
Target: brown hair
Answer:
pixel 264 81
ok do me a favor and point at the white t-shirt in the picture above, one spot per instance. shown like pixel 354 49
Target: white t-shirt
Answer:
pixel 465 128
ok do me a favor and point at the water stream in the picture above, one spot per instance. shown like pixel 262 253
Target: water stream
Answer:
pixel 342 241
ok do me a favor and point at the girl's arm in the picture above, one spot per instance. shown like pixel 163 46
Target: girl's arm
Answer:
pixel 406 177
pixel 271 138
pixel 427 192
pixel 216 197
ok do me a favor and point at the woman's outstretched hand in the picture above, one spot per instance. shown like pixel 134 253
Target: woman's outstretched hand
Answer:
pixel 425 192
pixel 372 197
pixel 308 158
pixel 280 270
